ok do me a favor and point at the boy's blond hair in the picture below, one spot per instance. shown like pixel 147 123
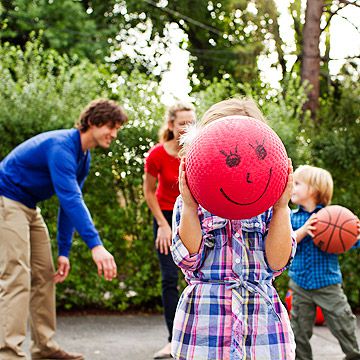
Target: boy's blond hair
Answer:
pixel 319 180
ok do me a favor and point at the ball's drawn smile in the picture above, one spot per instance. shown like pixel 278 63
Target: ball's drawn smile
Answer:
pixel 251 202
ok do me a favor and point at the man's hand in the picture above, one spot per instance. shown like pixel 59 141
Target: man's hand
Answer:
pixel 62 270
pixel 104 261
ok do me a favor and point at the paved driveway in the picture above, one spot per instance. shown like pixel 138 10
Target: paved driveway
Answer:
pixel 137 337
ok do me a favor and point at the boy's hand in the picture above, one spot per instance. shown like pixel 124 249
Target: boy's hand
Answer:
pixel 286 195
pixel 309 226
pixel 188 199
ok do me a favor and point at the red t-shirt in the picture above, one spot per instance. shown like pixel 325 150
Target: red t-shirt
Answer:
pixel 165 168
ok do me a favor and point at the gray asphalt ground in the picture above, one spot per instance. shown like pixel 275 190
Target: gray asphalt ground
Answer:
pixel 137 337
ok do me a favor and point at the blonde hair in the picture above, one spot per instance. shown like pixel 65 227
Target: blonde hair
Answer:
pixel 242 106
pixel 319 180
pixel 165 134
pixel 234 106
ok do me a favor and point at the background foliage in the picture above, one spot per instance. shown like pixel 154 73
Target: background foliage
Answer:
pixel 43 90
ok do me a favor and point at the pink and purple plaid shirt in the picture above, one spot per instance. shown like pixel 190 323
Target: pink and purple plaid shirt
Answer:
pixel 230 309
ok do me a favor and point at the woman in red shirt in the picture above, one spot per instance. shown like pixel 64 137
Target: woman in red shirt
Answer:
pixel 161 189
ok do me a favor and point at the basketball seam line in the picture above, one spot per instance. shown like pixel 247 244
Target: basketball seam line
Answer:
pixel 336 226
pixel 329 242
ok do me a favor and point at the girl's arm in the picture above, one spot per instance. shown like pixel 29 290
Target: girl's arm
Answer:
pixel 163 238
pixel 278 243
pixel 189 229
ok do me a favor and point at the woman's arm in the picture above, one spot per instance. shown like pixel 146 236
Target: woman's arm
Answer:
pixel 189 229
pixel 278 243
pixel 163 238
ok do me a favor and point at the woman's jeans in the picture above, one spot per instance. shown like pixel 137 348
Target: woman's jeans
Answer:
pixel 169 275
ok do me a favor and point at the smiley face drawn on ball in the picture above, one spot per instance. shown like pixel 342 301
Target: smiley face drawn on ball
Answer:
pixel 260 150
pixel 233 159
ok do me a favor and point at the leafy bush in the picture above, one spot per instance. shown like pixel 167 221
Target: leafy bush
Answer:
pixel 44 91
pixel 335 146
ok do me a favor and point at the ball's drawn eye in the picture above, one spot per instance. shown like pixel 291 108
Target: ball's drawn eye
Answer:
pixel 260 150
pixel 232 159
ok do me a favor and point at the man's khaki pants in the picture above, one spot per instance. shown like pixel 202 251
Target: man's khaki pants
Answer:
pixel 338 317
pixel 26 281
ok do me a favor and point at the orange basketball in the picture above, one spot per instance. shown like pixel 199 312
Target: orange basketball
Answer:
pixel 336 229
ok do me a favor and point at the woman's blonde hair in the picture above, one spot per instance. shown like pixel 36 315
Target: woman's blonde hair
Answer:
pixel 319 180
pixel 165 134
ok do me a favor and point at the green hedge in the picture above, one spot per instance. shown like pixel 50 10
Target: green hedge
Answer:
pixel 43 91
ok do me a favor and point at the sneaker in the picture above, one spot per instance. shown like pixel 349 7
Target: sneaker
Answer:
pixel 164 353
pixel 59 355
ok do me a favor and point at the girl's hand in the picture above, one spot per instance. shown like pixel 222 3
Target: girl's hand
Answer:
pixel 163 239
pixel 184 189
pixel 286 195
pixel 309 227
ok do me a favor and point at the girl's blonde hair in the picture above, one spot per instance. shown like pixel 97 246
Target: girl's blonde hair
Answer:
pixel 242 106
pixel 165 134
pixel 234 106
pixel 319 180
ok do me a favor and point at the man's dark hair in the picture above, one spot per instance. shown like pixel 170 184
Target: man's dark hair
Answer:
pixel 100 112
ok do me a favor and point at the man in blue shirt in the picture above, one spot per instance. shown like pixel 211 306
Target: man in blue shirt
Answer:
pixel 315 275
pixel 54 162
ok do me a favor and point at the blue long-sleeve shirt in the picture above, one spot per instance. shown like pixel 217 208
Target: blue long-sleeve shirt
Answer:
pixel 313 268
pixel 49 163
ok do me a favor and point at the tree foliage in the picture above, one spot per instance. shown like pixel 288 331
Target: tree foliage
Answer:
pixel 70 27
pixel 223 38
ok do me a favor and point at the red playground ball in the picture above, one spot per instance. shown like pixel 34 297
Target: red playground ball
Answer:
pixel 336 229
pixel 237 167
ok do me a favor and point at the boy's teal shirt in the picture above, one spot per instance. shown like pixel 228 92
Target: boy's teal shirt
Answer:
pixel 312 268
pixel 49 163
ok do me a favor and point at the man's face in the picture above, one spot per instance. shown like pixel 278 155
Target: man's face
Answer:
pixel 104 135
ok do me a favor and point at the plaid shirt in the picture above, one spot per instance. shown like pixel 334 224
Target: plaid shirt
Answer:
pixel 230 309
pixel 312 268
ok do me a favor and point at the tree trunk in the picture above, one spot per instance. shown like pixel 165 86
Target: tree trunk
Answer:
pixel 310 69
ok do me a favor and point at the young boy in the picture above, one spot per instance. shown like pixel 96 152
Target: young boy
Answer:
pixel 315 275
